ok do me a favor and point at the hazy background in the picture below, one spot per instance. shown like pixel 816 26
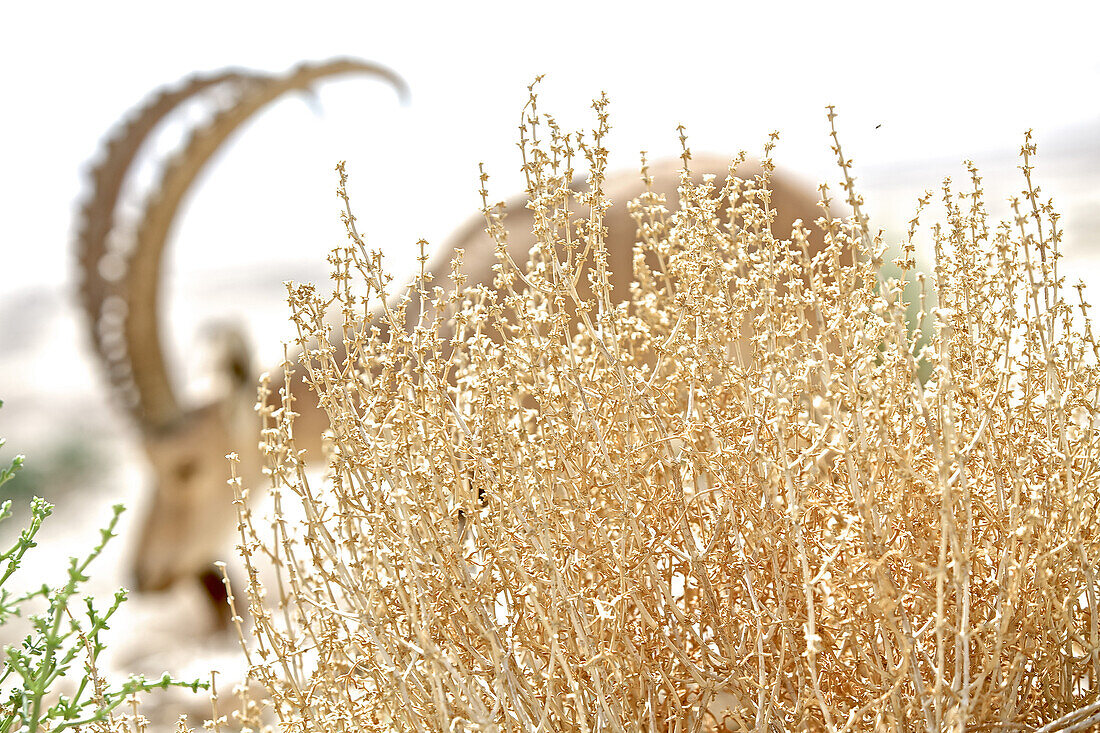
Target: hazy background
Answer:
pixel 919 87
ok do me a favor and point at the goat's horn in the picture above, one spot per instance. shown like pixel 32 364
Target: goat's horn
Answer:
pixel 101 259
pixel 139 364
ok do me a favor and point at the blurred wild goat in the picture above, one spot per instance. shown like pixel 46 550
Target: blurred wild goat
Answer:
pixel 190 516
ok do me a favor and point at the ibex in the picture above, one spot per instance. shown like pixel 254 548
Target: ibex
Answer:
pixel 190 515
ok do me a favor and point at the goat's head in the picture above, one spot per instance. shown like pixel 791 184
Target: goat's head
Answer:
pixel 119 287
pixel 189 513
pixel 189 508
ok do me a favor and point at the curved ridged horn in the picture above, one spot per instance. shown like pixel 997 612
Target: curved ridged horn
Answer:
pixel 101 259
pixel 157 405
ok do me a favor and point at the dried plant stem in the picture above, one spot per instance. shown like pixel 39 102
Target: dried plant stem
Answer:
pixel 754 496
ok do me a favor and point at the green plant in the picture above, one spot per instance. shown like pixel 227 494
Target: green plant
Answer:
pixel 61 637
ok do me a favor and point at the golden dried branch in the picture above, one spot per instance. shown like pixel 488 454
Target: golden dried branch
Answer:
pixel 727 503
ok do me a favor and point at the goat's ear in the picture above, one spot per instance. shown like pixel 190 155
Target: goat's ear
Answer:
pixel 237 364
pixel 232 356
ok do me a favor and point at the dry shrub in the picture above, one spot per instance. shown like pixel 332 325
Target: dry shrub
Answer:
pixel 727 502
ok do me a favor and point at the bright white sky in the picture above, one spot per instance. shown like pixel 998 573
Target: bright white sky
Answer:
pixel 919 86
